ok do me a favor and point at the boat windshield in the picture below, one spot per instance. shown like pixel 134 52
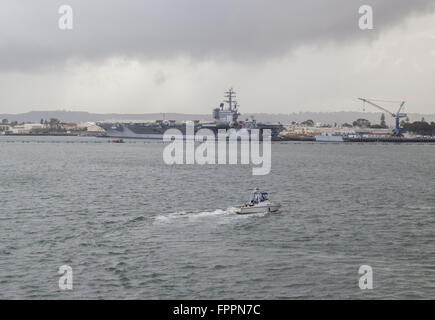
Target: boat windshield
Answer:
pixel 257 196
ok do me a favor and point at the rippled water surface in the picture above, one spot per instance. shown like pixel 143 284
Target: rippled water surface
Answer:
pixel 132 227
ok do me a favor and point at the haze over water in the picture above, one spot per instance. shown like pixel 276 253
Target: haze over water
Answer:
pixel 131 226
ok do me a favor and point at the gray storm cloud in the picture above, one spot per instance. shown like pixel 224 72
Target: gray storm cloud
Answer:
pixel 200 29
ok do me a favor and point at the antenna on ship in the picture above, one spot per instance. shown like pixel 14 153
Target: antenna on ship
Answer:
pixel 230 94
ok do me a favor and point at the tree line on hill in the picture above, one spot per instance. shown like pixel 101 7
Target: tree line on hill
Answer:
pixel 419 127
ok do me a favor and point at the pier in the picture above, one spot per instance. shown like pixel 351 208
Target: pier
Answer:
pixel 382 139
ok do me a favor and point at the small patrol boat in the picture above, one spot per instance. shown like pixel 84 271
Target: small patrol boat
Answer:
pixel 117 141
pixel 259 203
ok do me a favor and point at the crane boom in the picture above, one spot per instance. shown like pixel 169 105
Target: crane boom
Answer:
pixel 401 106
pixel 379 107
pixel 397 132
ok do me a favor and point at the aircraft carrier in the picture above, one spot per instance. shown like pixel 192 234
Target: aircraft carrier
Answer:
pixel 225 117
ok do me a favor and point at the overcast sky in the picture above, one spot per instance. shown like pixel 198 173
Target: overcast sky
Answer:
pixel 280 56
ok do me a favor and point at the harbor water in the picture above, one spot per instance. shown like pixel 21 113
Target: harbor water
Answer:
pixel 132 227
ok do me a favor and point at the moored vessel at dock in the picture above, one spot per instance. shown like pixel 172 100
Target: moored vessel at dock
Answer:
pixel 224 117
pixel 329 137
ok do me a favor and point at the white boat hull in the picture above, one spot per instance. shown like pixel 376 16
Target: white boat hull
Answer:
pixel 260 208
pixel 329 138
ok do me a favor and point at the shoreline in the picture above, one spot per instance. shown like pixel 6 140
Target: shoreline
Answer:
pixel 278 139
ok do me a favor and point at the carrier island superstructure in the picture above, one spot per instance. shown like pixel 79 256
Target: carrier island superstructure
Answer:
pixel 224 117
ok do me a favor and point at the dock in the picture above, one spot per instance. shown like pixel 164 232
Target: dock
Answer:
pixel 383 139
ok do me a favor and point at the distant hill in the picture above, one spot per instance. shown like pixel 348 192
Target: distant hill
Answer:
pixel 322 117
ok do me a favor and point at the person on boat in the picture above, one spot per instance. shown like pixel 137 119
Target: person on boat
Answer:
pixel 256 196
pixel 264 196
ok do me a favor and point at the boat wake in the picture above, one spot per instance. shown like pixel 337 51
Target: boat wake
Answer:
pixel 198 216
pixel 190 215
